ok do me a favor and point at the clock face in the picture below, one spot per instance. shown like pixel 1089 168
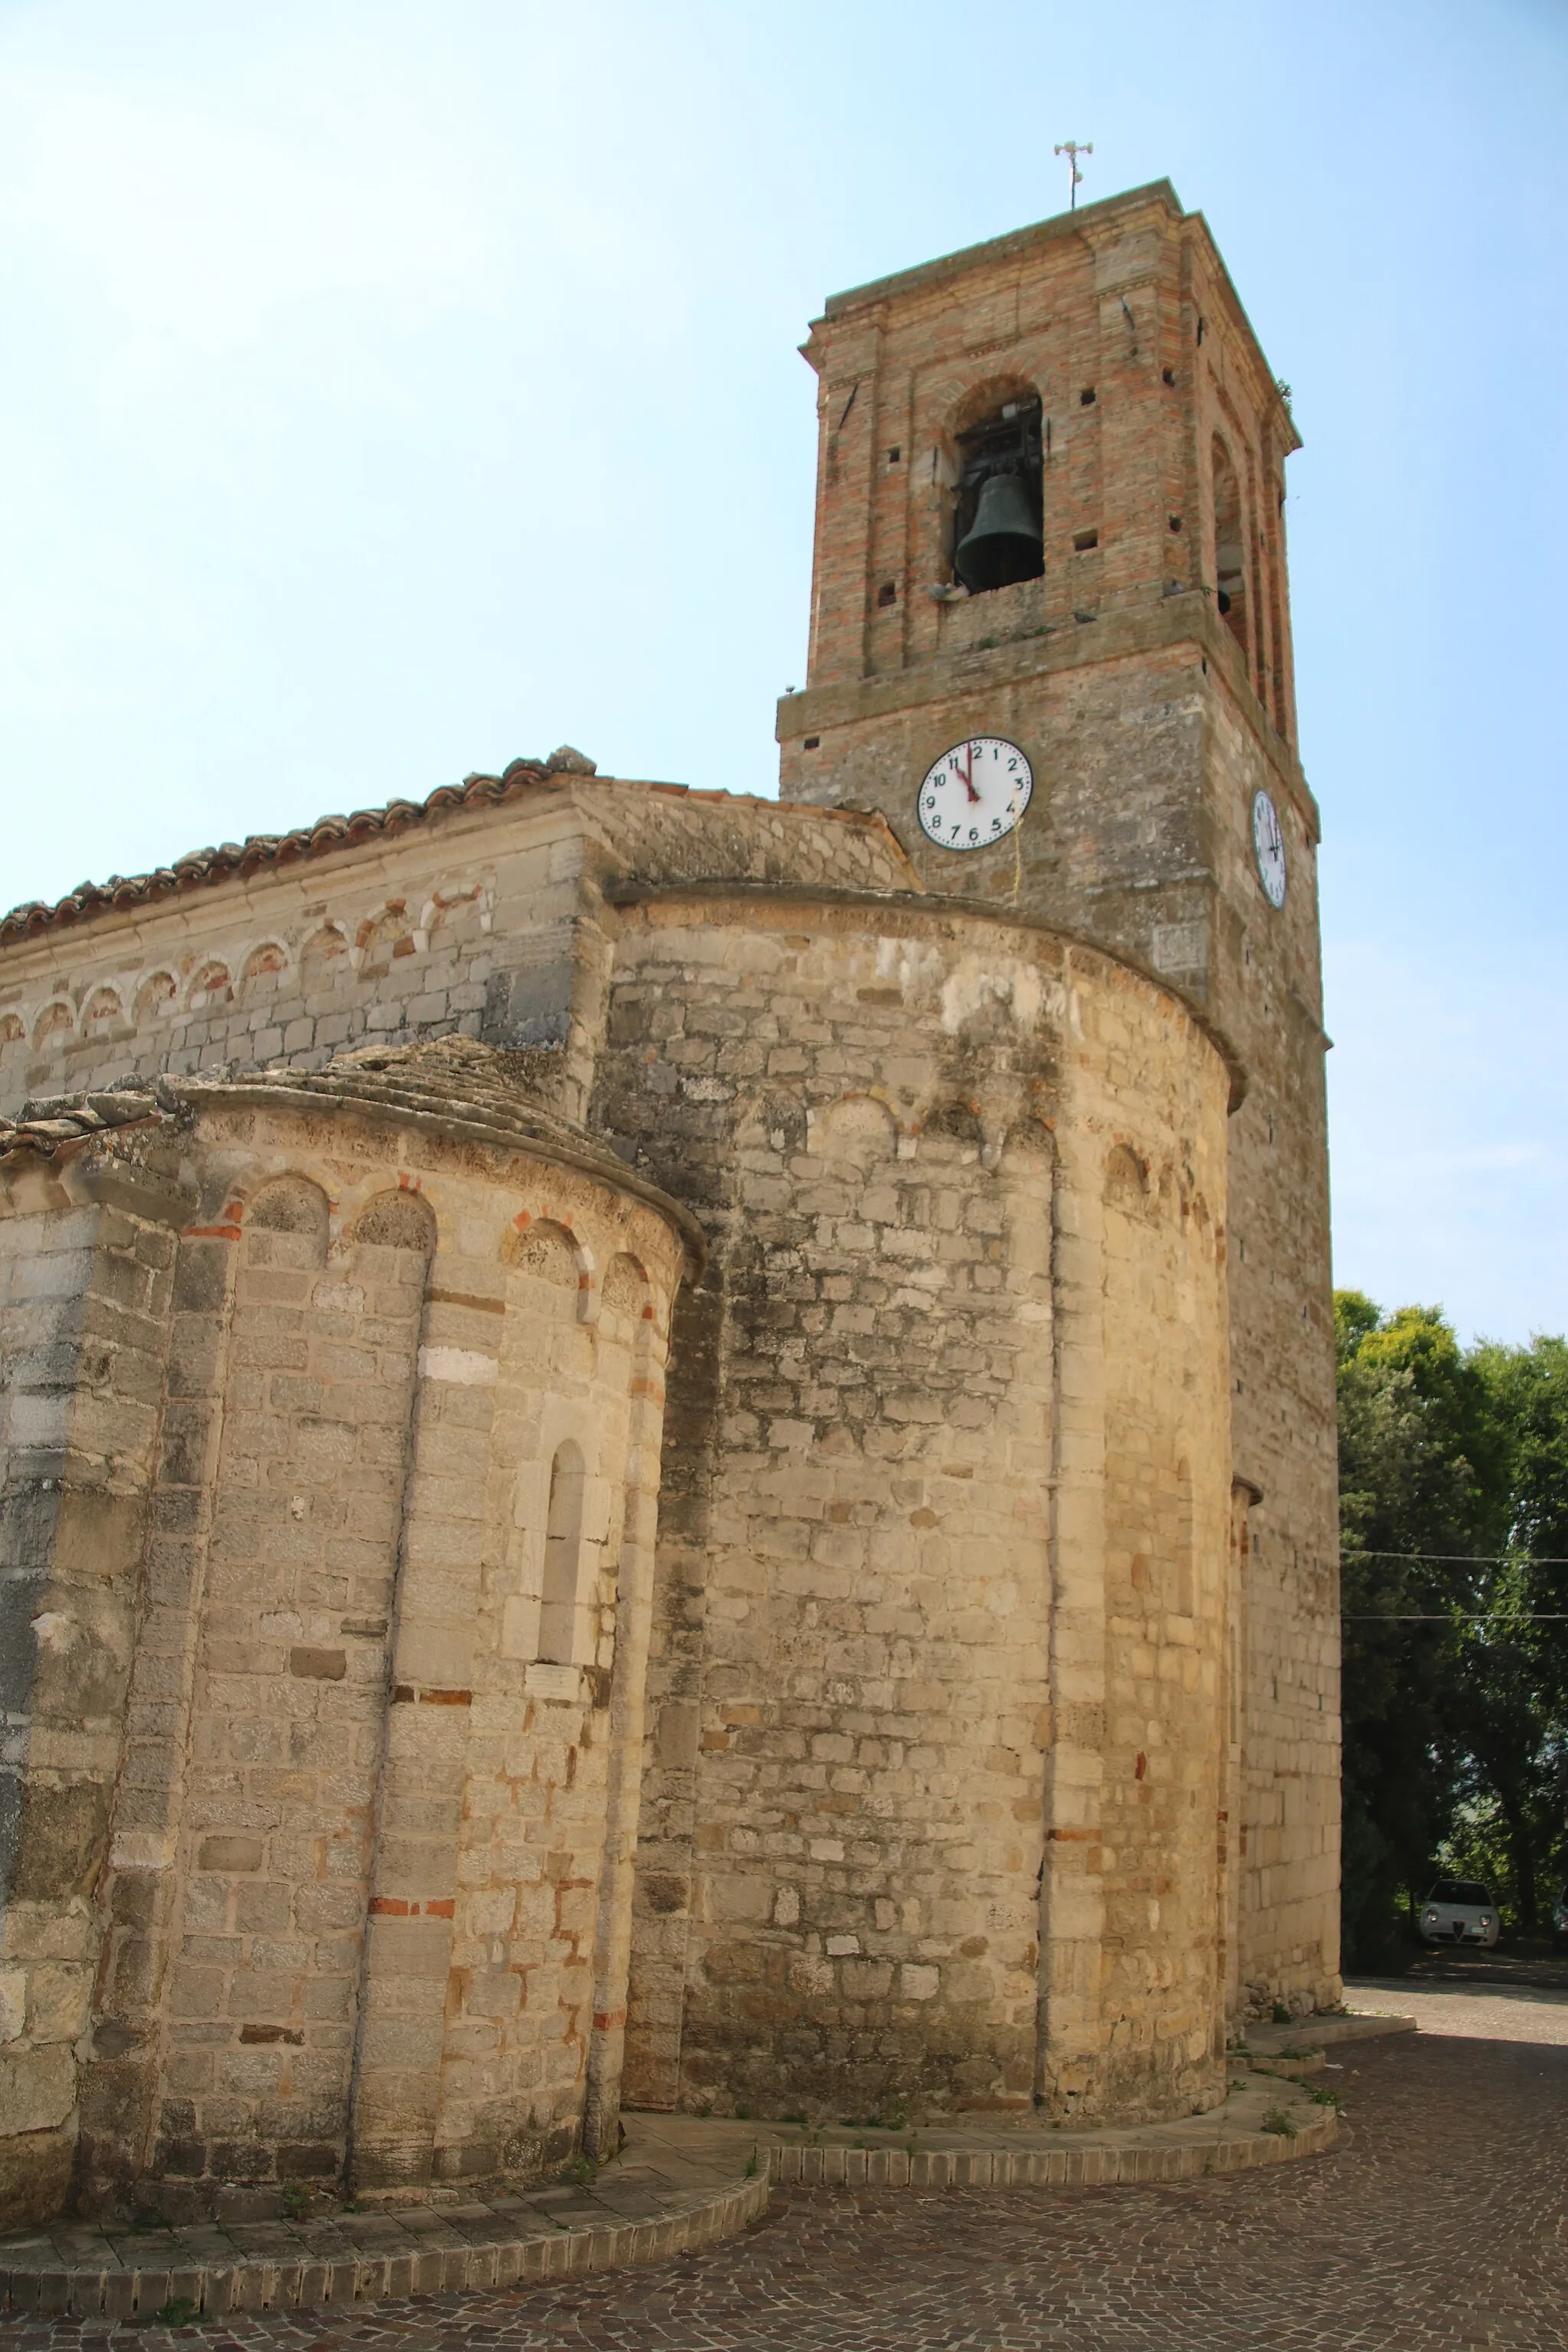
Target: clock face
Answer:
pixel 1268 848
pixel 975 794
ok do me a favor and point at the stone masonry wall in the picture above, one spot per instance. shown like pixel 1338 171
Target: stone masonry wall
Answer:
pixel 1283 1408
pixel 934 1581
pixel 1140 834
pixel 464 924
pixel 86 1272
pixel 353 1680
pixel 1153 706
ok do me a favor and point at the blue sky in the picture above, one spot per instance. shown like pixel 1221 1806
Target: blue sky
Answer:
pixel 386 390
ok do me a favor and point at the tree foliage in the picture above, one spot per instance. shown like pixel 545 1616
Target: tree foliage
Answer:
pixel 1454 1507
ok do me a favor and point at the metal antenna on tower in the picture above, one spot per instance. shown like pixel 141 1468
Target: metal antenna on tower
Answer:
pixel 1072 151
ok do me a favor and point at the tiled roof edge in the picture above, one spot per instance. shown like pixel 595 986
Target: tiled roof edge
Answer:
pixel 201 868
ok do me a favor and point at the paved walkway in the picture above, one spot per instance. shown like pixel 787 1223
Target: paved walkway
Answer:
pixel 1472 2011
pixel 1440 2220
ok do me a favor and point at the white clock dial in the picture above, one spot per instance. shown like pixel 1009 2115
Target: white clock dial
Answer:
pixel 975 794
pixel 1268 848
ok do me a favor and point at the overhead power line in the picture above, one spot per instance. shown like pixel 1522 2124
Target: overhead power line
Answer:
pixel 1468 1559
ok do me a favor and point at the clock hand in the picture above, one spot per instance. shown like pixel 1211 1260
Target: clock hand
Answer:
pixel 968 773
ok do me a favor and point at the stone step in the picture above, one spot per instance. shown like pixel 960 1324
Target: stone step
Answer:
pixel 682 2182
pixel 33 2278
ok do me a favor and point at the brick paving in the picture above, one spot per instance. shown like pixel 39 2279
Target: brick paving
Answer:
pixel 1438 2221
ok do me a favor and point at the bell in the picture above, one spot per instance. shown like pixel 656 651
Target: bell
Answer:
pixel 1003 543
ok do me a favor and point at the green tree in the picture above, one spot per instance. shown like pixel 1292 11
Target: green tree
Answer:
pixel 1454 1516
pixel 1513 1661
pixel 1418 1499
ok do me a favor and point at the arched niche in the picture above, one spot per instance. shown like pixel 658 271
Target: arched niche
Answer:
pixel 286 1225
pixel 859 1131
pixel 154 997
pixel 103 1013
pixel 265 967
pixel 1126 1180
pixel 398 1219
pixel 384 937
pixel 952 1132
pixel 626 1300
pixel 211 989
pixel 54 1024
pixel 548 1265
pixel 325 959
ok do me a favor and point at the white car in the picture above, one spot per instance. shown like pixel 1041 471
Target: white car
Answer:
pixel 1460 1911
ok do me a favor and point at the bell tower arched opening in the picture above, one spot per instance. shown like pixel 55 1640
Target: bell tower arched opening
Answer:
pixel 998 527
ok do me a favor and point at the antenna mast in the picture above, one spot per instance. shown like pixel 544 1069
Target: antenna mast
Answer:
pixel 1072 151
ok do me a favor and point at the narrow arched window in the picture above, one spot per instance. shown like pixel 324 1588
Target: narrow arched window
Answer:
pixel 560 1609
pixel 1230 561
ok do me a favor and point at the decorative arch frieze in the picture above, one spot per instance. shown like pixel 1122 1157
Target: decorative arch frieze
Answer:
pixel 545 1251
pixel 54 1025
pixel 156 996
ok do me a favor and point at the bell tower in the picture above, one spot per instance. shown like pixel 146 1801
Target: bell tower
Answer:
pixel 1049 510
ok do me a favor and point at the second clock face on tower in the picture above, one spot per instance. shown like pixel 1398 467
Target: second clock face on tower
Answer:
pixel 1268 848
pixel 975 794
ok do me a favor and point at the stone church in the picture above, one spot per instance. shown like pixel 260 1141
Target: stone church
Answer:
pixel 677 1451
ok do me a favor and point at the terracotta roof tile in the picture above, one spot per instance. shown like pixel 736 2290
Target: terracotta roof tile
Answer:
pixel 202 868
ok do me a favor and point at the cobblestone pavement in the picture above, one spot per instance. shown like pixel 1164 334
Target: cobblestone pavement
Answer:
pixel 1438 2222
pixel 1477 2011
